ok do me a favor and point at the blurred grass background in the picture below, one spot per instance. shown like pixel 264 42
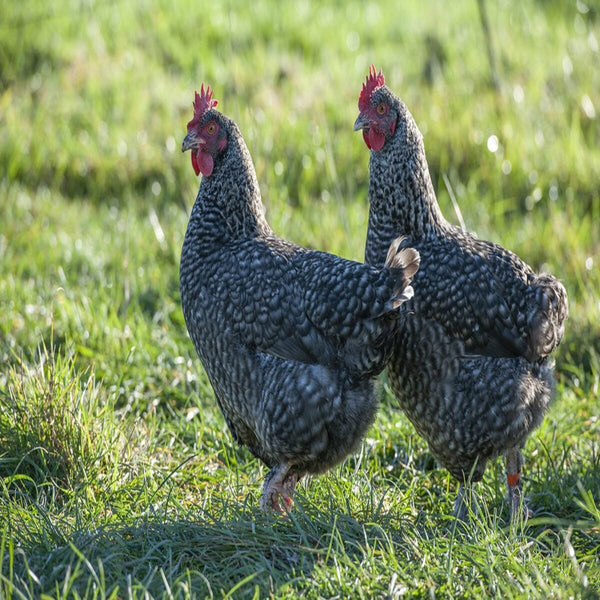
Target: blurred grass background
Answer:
pixel 118 476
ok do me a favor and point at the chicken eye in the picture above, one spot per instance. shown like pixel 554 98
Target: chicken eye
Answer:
pixel 211 128
pixel 381 108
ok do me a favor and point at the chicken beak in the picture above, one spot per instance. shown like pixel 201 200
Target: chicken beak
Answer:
pixel 361 122
pixel 191 141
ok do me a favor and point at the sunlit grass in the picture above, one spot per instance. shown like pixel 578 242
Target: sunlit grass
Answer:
pixel 118 477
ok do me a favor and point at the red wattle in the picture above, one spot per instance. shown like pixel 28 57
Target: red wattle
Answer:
pixel 205 163
pixel 366 138
pixel 376 139
pixel 195 163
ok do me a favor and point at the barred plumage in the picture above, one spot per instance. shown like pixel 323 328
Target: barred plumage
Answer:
pixel 470 368
pixel 291 339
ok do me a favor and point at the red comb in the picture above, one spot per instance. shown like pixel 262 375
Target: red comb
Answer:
pixel 374 81
pixel 203 101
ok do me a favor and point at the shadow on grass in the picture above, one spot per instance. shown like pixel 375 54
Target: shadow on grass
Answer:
pixel 244 553
pixel 243 556
pixel 345 523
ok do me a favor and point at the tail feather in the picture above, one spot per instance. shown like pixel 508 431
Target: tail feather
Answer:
pixel 404 263
pixel 367 353
pixel 393 251
pixel 407 293
pixel 546 321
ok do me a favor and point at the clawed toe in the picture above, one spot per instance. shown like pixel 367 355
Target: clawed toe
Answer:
pixel 520 512
pixel 464 501
pixel 279 484
pixel 269 501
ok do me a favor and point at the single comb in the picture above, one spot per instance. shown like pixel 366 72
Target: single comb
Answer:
pixel 374 81
pixel 203 101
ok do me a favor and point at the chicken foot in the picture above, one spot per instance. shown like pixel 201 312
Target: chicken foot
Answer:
pixel 279 482
pixel 463 502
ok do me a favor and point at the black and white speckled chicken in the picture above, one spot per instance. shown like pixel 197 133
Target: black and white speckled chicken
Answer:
pixel 291 339
pixel 470 368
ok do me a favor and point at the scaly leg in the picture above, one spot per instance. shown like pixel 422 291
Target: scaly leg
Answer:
pixel 279 482
pixel 464 500
pixel 518 509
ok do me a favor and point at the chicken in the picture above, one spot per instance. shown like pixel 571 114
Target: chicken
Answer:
pixel 291 339
pixel 470 368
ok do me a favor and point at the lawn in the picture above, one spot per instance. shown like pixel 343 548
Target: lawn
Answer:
pixel 118 476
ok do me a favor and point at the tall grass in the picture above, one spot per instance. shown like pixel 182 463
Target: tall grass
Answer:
pixel 118 477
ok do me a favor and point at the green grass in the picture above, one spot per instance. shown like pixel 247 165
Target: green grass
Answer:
pixel 118 477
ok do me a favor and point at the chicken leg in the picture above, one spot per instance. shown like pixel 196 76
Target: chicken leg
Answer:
pixel 518 508
pixel 279 482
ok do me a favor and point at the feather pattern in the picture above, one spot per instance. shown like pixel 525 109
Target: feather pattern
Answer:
pixel 470 368
pixel 291 339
